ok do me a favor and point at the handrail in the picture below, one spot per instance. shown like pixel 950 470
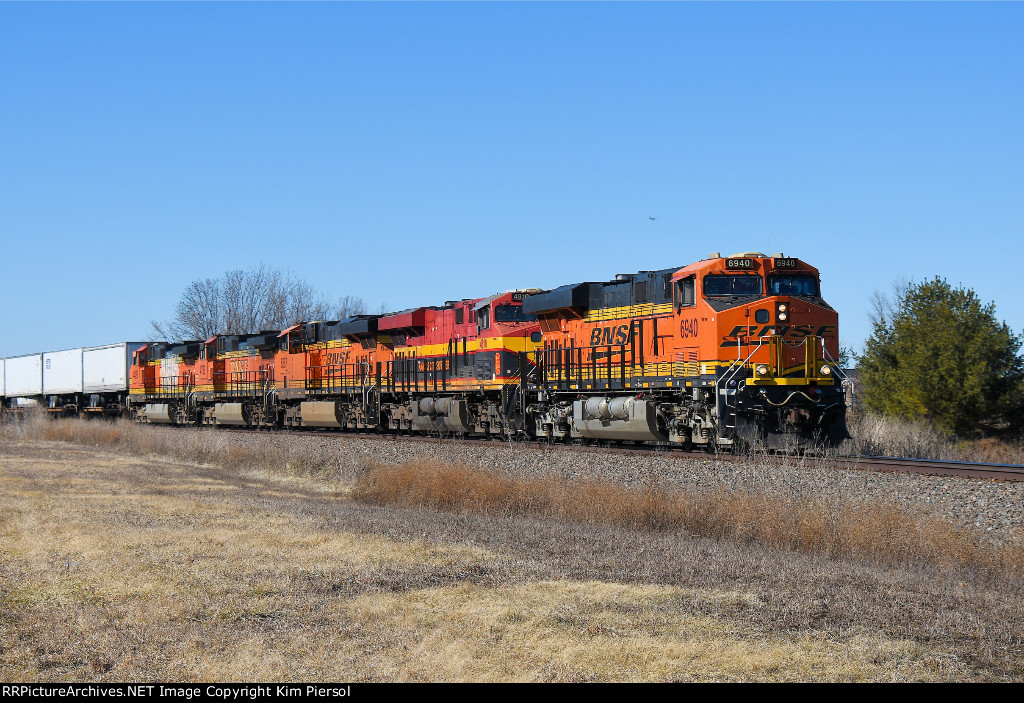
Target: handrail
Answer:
pixel 366 393
pixel 569 365
pixel 811 359
pixel 734 367
pixel 847 382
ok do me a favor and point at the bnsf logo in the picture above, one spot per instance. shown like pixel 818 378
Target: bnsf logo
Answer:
pixel 609 335
pixel 791 331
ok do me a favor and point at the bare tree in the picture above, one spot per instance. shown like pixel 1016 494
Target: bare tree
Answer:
pixel 349 305
pixel 248 301
pixel 197 315
pixel 887 307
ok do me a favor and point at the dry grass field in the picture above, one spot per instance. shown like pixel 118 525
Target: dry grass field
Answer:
pixel 138 554
pixel 889 436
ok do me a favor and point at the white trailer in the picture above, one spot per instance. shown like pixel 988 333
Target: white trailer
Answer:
pixel 62 372
pixel 3 383
pixel 105 369
pixel 23 375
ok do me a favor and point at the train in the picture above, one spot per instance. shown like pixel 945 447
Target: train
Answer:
pixel 730 351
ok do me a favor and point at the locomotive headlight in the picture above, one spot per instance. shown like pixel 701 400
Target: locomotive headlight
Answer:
pixel 826 370
pixel 782 312
pixel 761 370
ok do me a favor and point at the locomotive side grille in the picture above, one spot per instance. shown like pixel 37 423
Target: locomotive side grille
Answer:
pixel 686 363
pixel 628 311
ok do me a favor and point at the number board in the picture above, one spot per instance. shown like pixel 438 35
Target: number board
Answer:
pixel 785 263
pixel 518 296
pixel 740 264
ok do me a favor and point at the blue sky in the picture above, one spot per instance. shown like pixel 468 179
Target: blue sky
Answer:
pixel 414 153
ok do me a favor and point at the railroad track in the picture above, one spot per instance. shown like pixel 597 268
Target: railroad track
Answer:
pixel 935 467
pixel 928 467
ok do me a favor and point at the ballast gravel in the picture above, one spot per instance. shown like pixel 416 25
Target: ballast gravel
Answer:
pixel 996 507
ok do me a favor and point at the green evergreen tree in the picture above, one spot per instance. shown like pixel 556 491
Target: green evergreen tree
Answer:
pixel 937 352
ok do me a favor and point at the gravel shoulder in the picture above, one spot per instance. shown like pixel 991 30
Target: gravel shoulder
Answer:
pixel 996 507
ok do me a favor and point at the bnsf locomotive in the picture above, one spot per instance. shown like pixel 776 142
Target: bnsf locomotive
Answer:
pixel 737 350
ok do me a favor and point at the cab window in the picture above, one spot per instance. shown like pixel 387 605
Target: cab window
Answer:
pixel 512 313
pixel 793 284
pixel 483 318
pixel 686 297
pixel 726 285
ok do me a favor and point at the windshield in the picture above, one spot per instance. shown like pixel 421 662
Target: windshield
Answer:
pixel 512 313
pixel 793 284
pixel 732 285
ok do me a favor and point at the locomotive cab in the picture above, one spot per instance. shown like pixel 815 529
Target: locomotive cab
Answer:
pixel 767 343
pixel 142 376
pixel 514 333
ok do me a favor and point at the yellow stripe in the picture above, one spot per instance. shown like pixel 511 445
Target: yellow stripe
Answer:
pixel 642 310
pixel 495 344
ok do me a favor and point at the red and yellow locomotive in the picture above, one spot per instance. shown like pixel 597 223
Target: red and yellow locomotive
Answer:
pixel 733 350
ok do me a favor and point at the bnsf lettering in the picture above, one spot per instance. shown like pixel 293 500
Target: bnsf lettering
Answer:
pixel 688 328
pixel 601 336
pixel 793 332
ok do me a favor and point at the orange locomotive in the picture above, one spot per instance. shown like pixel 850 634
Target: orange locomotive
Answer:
pixel 737 350
pixel 726 350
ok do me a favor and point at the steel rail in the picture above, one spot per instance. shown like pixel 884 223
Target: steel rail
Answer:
pixel 927 467
pixel 937 467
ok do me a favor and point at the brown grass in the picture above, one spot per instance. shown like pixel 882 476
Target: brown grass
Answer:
pixel 245 557
pixel 879 532
pixel 874 435
pixel 118 568
pixel 270 450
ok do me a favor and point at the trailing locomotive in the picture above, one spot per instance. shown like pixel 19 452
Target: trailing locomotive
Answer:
pixel 735 350
pixel 454 368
